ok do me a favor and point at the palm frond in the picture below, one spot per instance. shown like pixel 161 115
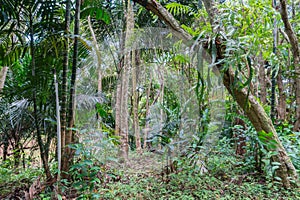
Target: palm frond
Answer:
pixel 85 101
pixel 177 8
pixel 17 111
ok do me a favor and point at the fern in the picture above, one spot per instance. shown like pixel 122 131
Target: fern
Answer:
pixel 177 8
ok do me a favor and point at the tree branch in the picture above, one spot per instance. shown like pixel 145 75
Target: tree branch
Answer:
pixel 166 17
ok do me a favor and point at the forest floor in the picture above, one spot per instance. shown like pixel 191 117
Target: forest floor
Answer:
pixel 145 176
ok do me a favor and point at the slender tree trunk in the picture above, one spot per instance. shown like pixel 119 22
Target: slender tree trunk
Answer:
pixel 35 108
pixel 98 54
pixel 161 71
pixel 281 107
pixel 118 106
pixel 58 127
pixel 69 136
pixel 253 110
pixel 98 61
pixel 124 110
pixel 119 88
pixel 3 77
pixel 262 81
pixel 146 130
pixel 64 82
pixel 125 82
pixel 296 55
pixel 121 121
pixel 135 103
pixel 5 147
pixel 273 73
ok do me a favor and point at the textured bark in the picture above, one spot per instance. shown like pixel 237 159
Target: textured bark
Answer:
pixel 281 107
pixel 65 79
pixel 125 82
pixel 258 117
pixel 166 17
pixel 273 78
pixel 119 90
pixel 240 142
pixel 118 107
pixel 296 55
pixel 135 103
pixel 124 110
pixel 69 135
pixel 3 77
pixel 252 109
pixel 262 82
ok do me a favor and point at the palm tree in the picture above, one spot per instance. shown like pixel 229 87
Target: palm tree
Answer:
pixel 38 22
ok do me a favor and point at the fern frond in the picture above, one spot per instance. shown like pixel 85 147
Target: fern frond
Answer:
pixel 177 8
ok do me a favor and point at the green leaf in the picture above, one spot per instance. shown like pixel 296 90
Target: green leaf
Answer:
pixel 98 13
pixel 177 8
pixel 101 110
pixel 59 197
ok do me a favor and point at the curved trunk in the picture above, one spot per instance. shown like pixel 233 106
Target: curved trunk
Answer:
pixel 253 110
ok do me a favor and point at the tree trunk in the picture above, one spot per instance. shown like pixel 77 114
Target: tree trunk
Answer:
pixel 146 130
pixel 296 55
pixel 58 124
pixel 69 136
pixel 273 73
pixel 3 77
pixel 64 82
pixel 125 82
pixel 35 108
pixel 98 61
pixel 124 109
pixel 262 81
pixel 258 117
pixel 281 107
pixel 118 106
pixel 253 110
pixel 119 90
pixel 161 72
pixel 135 103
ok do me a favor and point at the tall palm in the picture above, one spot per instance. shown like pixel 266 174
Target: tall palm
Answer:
pixel 34 26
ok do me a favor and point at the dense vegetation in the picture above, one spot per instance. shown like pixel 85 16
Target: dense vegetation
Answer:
pixel 187 99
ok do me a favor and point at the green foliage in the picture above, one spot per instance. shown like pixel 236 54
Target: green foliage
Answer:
pixel 259 147
pixel 177 8
pixel 99 13
pixel 291 141
pixel 105 113
pixel 84 173
pixel 266 141
pixel 14 180
pixel 224 182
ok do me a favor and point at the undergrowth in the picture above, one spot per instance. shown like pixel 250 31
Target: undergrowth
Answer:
pixel 227 177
